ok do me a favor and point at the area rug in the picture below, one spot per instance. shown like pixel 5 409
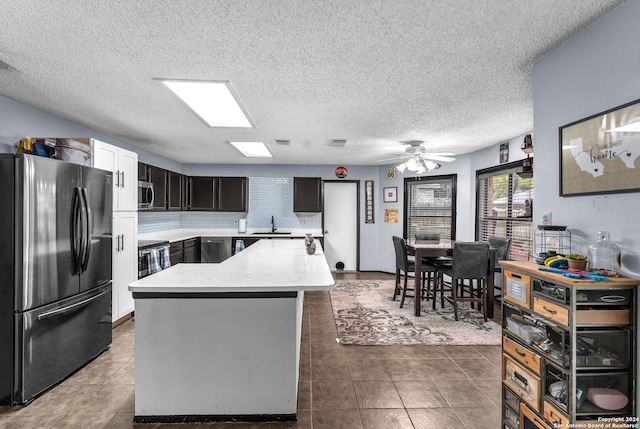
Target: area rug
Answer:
pixel 365 314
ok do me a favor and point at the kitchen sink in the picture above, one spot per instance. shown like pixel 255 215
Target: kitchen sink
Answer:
pixel 271 233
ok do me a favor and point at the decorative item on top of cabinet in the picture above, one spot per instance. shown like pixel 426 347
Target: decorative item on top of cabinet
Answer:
pixel 307 194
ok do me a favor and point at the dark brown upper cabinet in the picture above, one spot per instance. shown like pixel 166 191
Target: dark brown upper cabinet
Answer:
pixel 232 194
pixel 158 176
pixel 307 194
pixel 228 194
pixel 201 193
pixel 143 170
pixel 174 190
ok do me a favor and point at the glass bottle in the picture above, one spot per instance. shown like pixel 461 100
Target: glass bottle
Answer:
pixel 604 256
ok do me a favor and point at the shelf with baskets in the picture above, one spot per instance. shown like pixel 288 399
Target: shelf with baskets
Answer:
pixel 569 348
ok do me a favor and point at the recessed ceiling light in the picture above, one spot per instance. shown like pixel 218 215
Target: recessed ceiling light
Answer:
pixel 214 101
pixel 252 149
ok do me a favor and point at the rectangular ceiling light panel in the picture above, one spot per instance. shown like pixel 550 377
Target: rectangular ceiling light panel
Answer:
pixel 214 101
pixel 252 149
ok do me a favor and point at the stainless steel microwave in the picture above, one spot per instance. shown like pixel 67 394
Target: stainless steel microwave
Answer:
pixel 145 195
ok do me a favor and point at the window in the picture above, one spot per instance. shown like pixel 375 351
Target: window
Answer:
pixel 504 207
pixel 430 206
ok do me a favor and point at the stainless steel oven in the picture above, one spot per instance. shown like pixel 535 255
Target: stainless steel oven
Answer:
pixel 153 256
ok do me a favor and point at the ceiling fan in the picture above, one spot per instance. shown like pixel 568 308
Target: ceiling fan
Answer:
pixel 417 158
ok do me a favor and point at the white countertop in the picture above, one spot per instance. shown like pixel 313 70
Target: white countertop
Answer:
pixel 266 266
pixel 183 234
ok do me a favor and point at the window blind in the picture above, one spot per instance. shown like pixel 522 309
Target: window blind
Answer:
pixel 430 206
pixel 504 207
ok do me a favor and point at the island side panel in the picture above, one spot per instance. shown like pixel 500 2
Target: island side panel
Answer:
pixel 217 356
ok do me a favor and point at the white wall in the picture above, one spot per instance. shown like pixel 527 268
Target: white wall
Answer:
pixel 596 70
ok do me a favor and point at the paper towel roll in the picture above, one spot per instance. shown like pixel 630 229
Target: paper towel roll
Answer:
pixel 242 225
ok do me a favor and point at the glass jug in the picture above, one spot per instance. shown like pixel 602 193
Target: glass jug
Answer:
pixel 604 256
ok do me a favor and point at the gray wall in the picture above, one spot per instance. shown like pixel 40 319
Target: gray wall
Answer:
pixel 595 71
pixel 18 120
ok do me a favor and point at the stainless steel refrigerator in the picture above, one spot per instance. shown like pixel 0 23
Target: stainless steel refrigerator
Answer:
pixel 55 272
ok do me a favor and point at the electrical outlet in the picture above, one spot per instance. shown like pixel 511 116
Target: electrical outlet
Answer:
pixel 546 218
pixel 235 221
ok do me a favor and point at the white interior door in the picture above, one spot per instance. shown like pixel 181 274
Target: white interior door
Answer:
pixel 341 225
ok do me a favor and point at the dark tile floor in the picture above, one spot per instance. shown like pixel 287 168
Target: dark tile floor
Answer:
pixel 390 387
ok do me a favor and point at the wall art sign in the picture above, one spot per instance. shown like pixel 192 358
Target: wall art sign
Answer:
pixel 600 154
pixel 391 215
pixel 368 192
pixel 341 172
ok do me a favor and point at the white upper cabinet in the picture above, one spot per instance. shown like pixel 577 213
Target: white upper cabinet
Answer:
pixel 124 165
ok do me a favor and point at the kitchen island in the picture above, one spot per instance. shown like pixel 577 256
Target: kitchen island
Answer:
pixel 221 342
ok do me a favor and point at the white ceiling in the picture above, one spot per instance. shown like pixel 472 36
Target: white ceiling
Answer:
pixel 455 73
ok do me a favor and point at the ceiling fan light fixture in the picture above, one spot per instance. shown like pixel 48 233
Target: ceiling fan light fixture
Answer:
pixel 430 165
pixel 418 165
pixel 215 102
pixel 252 149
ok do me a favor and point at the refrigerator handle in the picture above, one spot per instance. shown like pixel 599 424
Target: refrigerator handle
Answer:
pixel 75 231
pixel 122 181
pixel 71 307
pixel 88 228
pixel 117 178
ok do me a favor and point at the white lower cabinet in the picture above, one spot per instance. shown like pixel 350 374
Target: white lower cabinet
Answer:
pixel 125 262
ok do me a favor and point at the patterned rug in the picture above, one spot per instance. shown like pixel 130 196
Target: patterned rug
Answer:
pixel 365 314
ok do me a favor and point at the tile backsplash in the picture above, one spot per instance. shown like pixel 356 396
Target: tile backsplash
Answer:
pixel 268 196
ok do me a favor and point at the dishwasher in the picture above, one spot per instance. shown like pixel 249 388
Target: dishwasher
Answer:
pixel 214 249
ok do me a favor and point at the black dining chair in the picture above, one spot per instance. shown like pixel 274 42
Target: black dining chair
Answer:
pixel 404 267
pixel 503 253
pixel 431 276
pixel 470 262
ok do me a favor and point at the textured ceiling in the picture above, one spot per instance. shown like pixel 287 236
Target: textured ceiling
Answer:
pixel 456 74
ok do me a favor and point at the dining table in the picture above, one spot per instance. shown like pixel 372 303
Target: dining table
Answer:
pixel 444 247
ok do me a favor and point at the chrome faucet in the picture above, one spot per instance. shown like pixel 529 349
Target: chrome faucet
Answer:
pixel 273 224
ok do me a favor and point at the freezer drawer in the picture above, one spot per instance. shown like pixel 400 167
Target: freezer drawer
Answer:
pixel 215 249
pixel 54 341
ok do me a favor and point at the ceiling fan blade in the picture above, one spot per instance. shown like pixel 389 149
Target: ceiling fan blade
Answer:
pixel 438 157
pixel 397 158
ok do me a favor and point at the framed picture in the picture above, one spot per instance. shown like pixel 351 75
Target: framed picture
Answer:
pixel 391 195
pixel 504 153
pixel 599 154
